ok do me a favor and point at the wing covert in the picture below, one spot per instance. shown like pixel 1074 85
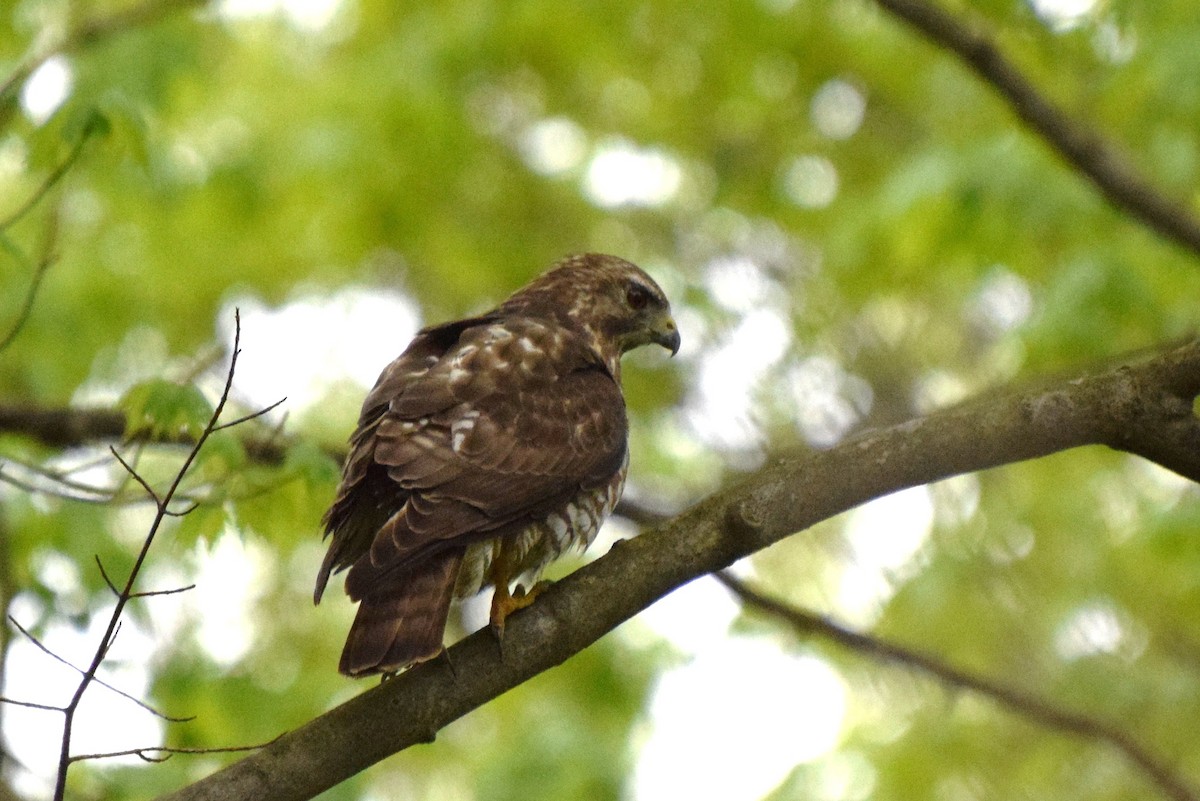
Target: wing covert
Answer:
pixel 510 422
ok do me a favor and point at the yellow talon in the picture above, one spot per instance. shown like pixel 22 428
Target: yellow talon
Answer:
pixel 505 603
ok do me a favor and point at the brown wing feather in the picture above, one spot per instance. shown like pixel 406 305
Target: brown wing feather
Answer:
pixel 516 419
pixel 477 428
pixel 366 497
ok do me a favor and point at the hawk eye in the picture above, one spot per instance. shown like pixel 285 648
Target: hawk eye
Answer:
pixel 637 296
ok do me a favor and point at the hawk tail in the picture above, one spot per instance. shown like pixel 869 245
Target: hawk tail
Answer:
pixel 404 622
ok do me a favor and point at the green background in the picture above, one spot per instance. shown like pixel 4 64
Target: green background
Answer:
pixel 855 230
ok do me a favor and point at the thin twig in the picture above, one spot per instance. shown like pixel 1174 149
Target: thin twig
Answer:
pixel 7 590
pixel 251 416
pixel 81 492
pixel 102 494
pixel 168 751
pixel 26 310
pixel 127 593
pixel 104 575
pixel 32 704
pixel 90 493
pixel 137 477
pixel 53 178
pixel 40 270
pixel 84 493
pixel 1017 701
pixel 156 593
pixel 106 685
pixel 108 646
pixel 142 593
pixel 187 510
pixel 1088 152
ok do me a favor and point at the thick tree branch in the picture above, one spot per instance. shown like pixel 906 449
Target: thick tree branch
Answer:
pixel 68 427
pixel 1089 153
pixel 1022 703
pixel 62 427
pixel 1127 408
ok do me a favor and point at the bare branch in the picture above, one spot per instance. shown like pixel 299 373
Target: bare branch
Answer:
pixel 136 477
pixel 53 178
pixel 106 685
pixel 1124 408
pixel 251 416
pixel 184 512
pixel 27 487
pixel 155 593
pixel 142 593
pixel 1016 701
pixel 39 273
pixel 32 705
pixel 65 427
pixel 127 593
pixel 168 751
pixel 86 493
pixel 104 575
pixel 7 591
pixel 107 645
pixel 73 490
pixel 1096 158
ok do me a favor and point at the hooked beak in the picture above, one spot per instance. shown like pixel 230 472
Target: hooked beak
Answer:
pixel 666 333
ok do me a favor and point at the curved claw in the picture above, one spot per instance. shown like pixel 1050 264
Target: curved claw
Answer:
pixel 505 603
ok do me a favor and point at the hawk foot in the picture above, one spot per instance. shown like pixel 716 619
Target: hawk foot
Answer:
pixel 504 604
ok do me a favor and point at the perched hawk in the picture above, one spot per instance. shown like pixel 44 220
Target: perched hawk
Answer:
pixel 486 450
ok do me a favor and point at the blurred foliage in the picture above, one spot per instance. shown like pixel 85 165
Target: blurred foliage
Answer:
pixel 853 230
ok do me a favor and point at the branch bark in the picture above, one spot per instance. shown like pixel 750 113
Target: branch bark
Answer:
pixel 1089 153
pixel 62 427
pixel 1143 408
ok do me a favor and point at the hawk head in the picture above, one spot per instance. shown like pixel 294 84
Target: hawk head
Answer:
pixel 614 304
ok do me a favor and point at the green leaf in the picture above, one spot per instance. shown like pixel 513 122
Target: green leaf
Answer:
pixel 82 122
pixel 222 453
pixel 163 408
pixel 310 462
pixel 126 123
pixel 205 522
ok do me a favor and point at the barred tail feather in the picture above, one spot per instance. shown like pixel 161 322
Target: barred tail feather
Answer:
pixel 404 621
